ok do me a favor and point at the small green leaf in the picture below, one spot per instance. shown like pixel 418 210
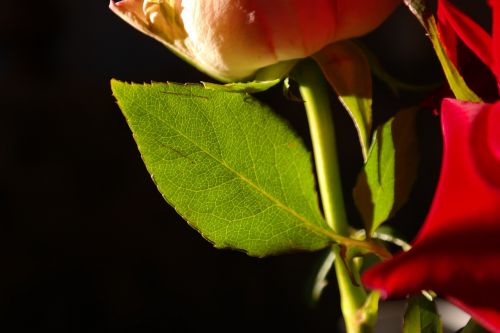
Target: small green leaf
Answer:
pixel 422 12
pixel 473 327
pixel 385 183
pixel 248 87
pixel 230 167
pixel 347 70
pixel 421 316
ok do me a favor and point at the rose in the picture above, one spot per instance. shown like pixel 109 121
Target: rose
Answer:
pixel 456 253
pixel 233 39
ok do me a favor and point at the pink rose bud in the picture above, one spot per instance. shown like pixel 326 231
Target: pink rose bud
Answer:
pixel 233 39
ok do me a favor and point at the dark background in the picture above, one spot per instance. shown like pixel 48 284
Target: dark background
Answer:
pixel 87 244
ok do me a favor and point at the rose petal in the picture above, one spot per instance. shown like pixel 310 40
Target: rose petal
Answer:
pixel 493 133
pixel 447 33
pixel 486 138
pixel 495 5
pixel 131 12
pixel 250 34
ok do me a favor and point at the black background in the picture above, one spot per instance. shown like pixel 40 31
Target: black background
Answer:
pixel 87 244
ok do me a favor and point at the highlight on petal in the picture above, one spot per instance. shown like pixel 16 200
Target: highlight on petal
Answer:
pixel 158 19
pixel 131 12
pixel 456 253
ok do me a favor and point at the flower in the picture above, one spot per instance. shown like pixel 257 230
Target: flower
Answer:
pixel 456 253
pixel 233 39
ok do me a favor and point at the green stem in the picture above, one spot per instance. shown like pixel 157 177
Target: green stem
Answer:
pixel 314 91
pixel 353 296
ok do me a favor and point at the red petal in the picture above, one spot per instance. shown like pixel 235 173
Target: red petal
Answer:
pixel 495 5
pixel 456 254
pixel 451 19
pixel 447 33
pixel 468 186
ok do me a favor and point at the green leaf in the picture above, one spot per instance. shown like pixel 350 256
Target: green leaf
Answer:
pixel 421 316
pixel 230 167
pixel 386 180
pixel 422 12
pixel 473 327
pixel 248 87
pixel 347 70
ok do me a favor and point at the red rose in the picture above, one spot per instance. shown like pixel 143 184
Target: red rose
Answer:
pixel 457 251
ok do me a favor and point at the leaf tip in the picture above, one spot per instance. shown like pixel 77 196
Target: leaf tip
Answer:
pixel 115 86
